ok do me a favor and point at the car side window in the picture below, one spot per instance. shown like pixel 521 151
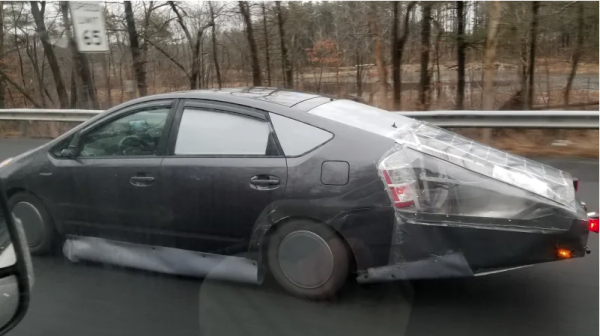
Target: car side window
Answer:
pixel 220 133
pixel 136 134
pixel 297 138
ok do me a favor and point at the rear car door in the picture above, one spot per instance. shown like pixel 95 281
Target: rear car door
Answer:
pixel 223 168
pixel 114 179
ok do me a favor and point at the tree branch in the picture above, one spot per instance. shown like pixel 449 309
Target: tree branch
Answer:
pixel 182 24
pixel 167 55
pixel 20 89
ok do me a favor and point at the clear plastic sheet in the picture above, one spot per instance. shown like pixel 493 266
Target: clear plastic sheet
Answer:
pixel 428 190
pixel 540 179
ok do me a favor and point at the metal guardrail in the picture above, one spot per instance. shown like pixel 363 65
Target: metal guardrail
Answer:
pixel 480 119
pixel 47 114
pixel 509 119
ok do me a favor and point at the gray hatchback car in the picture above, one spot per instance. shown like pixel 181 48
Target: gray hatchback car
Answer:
pixel 241 183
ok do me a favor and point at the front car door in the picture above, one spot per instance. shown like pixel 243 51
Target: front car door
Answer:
pixel 115 174
pixel 223 168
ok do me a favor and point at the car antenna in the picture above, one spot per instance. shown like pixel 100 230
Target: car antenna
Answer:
pixel 394 125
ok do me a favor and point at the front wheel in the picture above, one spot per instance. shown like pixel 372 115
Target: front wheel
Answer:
pixel 308 259
pixel 37 223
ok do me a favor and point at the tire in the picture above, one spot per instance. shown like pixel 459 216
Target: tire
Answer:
pixel 308 259
pixel 37 223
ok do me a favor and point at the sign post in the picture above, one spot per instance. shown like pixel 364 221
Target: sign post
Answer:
pixel 89 26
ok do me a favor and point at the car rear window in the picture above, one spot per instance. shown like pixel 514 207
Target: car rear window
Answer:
pixel 217 133
pixel 297 138
pixel 362 116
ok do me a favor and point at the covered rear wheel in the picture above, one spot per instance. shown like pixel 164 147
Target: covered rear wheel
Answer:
pixel 37 224
pixel 308 259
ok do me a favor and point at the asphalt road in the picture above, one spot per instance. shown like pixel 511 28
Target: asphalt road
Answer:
pixel 85 299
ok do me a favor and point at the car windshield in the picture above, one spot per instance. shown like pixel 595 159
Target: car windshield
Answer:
pixel 298 168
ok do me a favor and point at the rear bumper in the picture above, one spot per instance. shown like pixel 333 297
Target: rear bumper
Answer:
pixel 434 252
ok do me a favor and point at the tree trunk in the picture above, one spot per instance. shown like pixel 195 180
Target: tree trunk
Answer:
pixel 61 91
pixel 136 54
pixel 397 52
pixel 489 94
pixel 395 61
pixel 523 67
pixel 245 10
pixel 106 65
pixel 535 5
pixel 378 55
pixel 214 45
pixel 577 53
pixel 425 46
pixel 74 94
pixel 2 104
pixel 460 55
pixel 267 58
pixel 288 76
pixel 359 91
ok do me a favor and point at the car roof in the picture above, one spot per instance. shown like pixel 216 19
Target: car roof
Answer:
pixel 302 101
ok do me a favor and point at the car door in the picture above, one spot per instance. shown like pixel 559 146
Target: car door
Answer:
pixel 113 179
pixel 223 168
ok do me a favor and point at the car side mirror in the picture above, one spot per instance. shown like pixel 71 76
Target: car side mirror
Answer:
pixel 68 153
pixel 16 270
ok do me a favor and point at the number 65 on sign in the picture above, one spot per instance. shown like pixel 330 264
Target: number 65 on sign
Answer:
pixel 89 25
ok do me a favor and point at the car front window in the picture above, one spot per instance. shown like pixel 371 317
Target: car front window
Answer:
pixel 133 135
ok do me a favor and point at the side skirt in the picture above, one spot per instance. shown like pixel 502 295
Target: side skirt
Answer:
pixel 161 259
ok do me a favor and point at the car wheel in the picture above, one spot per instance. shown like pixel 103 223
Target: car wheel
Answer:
pixel 37 223
pixel 308 259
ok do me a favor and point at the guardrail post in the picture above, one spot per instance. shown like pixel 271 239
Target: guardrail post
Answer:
pixel 486 136
pixel 23 128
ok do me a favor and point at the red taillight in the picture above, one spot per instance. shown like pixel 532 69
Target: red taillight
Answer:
pixel 593 224
pixel 401 193
pixel 576 183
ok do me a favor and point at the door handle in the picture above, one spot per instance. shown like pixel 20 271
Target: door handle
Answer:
pixel 264 181
pixel 141 181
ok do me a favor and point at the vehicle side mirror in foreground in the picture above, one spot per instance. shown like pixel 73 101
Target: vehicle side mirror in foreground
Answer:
pixel 16 271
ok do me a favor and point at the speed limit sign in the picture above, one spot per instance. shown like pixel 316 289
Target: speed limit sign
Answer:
pixel 89 25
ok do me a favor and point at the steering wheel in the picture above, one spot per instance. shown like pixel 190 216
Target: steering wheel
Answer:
pixel 137 141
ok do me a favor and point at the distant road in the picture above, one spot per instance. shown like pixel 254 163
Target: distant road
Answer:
pixel 84 299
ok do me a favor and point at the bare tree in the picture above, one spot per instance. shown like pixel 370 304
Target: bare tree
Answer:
pixel 425 46
pixel 81 64
pixel 378 56
pixel 535 6
pixel 266 33
pixel 38 16
pixel 194 75
pixel 460 55
pixel 214 45
pixel 136 54
pixel 245 10
pixel 489 94
pixel 398 50
pixel 576 53
pixel 285 61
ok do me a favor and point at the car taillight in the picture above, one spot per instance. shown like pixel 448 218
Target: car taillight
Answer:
pixel 402 193
pixel 576 183
pixel 593 224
